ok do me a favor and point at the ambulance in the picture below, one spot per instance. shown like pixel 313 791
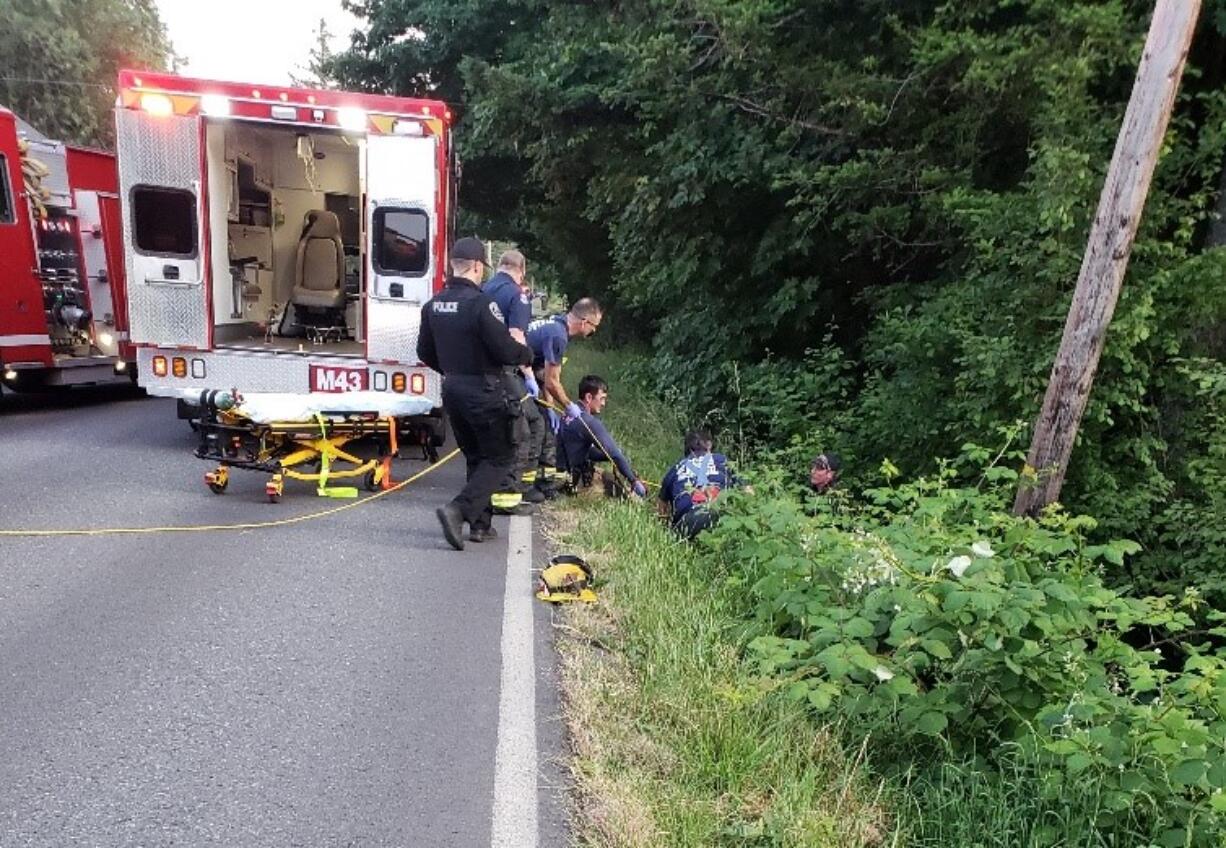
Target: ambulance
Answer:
pixel 281 240
pixel 63 318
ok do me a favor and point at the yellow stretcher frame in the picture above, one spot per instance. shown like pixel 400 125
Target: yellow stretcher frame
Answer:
pixel 283 446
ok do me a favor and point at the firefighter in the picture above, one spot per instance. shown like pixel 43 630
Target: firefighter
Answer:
pixel 464 337
pixel 548 339
pixel 689 489
pixel 505 288
pixel 584 441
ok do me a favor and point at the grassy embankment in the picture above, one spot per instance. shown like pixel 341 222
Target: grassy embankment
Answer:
pixel 675 741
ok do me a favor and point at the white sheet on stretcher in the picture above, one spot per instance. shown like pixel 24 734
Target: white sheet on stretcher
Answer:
pixel 263 407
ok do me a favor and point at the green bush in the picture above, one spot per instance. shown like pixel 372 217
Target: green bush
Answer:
pixel 935 621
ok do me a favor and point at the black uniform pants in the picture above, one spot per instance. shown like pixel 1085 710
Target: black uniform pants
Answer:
pixel 545 444
pixel 521 432
pixel 537 425
pixel 480 419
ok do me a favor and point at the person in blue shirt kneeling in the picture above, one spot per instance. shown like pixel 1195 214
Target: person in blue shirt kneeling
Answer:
pixel 692 485
pixel 583 441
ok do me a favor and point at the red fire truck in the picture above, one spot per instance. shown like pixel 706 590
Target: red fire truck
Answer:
pixel 63 314
pixel 278 239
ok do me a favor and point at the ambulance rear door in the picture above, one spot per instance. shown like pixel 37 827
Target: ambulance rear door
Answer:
pixel 401 232
pixel 160 183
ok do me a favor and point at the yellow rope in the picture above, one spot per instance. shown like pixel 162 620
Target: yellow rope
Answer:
pixel 599 443
pixel 253 525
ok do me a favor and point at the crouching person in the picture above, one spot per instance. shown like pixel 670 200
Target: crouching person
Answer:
pixel 584 441
pixel 690 487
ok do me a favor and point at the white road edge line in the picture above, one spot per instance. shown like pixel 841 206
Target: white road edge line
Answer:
pixel 515 790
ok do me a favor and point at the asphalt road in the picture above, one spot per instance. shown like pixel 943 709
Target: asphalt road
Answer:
pixel 330 683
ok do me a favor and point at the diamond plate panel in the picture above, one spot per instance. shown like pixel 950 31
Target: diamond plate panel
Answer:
pixel 161 151
pixel 260 372
pixel 391 330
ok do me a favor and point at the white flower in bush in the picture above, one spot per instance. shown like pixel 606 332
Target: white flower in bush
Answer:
pixel 983 549
pixel 883 673
pixel 958 565
pixel 873 565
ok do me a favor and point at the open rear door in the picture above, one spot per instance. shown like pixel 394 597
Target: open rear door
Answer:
pixel 163 219
pixel 401 231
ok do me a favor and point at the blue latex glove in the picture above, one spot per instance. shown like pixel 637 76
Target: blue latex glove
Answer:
pixel 640 489
pixel 531 385
pixel 573 410
pixel 555 423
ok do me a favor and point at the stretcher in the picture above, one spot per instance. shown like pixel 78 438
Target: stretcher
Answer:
pixel 305 437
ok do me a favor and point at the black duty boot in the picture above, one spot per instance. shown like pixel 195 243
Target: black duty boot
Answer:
pixel 453 525
pixel 533 495
pixel 483 534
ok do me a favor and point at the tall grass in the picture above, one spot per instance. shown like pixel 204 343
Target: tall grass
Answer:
pixel 675 743
pixel 648 431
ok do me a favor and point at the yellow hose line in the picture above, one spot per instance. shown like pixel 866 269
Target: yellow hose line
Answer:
pixel 253 525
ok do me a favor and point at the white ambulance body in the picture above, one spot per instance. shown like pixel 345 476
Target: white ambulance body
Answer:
pixel 279 239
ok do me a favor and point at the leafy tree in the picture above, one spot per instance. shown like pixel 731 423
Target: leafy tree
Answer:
pixel 59 60
pixel 911 182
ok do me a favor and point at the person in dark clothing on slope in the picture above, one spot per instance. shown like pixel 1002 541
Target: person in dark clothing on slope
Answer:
pixel 690 487
pixel 584 440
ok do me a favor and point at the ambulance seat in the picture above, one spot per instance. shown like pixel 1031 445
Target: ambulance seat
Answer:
pixel 319 270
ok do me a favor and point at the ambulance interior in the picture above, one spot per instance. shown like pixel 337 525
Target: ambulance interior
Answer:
pixel 286 242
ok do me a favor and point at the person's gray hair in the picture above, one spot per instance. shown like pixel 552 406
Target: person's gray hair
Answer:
pixel 586 307
pixel 511 260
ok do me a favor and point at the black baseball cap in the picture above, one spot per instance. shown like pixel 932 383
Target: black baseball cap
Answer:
pixel 469 248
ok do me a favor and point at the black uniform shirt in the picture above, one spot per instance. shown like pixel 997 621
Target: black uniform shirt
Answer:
pixel 463 332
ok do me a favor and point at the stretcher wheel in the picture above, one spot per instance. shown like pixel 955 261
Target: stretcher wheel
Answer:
pixel 218 488
pixel 273 497
pixel 369 481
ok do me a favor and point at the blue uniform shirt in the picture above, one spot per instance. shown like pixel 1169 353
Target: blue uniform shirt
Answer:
pixel 585 439
pixel 694 482
pixel 548 339
pixel 504 291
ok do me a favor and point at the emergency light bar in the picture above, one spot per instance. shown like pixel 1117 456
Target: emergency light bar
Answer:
pixel 165 95
pixel 351 119
pixel 157 104
pixel 215 105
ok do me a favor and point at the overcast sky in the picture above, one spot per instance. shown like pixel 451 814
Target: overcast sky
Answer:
pixel 259 41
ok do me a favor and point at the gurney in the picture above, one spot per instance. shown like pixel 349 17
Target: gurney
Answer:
pixel 304 437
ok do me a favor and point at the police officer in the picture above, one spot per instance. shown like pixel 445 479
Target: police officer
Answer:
pixel 505 288
pixel 464 337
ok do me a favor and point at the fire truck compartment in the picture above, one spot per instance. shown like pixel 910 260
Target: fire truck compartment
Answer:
pixel 286 246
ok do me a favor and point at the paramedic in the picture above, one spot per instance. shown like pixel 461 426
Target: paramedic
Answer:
pixel 584 440
pixel 548 339
pixel 505 288
pixel 689 488
pixel 463 336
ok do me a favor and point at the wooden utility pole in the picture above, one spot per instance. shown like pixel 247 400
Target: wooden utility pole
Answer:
pixel 1106 258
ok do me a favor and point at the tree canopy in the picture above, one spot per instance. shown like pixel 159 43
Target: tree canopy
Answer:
pixel 59 60
pixel 856 223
